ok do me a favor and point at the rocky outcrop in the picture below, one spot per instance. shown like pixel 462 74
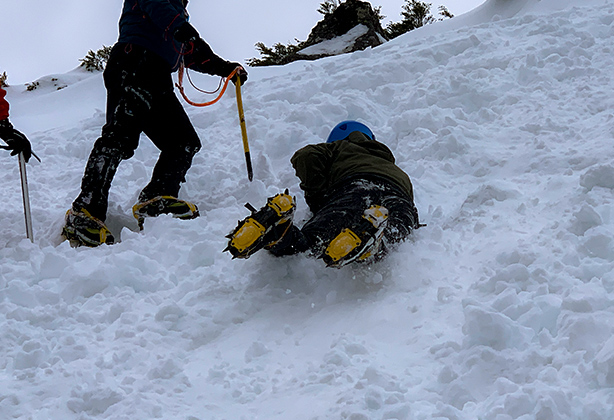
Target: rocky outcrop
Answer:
pixel 346 17
pixel 352 26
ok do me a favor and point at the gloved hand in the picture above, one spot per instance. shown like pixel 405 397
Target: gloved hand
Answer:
pixel 220 67
pixel 206 61
pixel 16 142
pixel 241 74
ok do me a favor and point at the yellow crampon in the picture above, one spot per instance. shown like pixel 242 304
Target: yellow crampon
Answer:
pixel 81 228
pixel 263 228
pixel 360 242
pixel 164 204
pixel 283 204
pixel 245 236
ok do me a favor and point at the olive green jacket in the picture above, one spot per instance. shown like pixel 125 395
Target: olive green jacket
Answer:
pixel 324 167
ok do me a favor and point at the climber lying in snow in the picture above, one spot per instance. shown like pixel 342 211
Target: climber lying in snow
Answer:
pixel 361 203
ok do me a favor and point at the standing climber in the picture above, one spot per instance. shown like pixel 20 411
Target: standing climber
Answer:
pixel 154 38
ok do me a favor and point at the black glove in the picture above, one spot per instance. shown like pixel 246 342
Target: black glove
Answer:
pixel 241 74
pixel 16 142
pixel 220 67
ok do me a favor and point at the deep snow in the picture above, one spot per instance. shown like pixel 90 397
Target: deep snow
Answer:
pixel 502 308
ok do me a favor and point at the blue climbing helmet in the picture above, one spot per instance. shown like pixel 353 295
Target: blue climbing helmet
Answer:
pixel 344 128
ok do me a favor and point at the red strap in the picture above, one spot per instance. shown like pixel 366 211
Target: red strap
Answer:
pixel 180 87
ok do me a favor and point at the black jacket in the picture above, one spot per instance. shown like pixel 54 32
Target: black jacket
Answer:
pixel 151 24
pixel 324 167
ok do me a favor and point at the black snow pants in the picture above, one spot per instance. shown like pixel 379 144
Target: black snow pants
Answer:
pixel 344 209
pixel 140 99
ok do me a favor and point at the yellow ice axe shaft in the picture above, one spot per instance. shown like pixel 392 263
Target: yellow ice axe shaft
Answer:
pixel 248 160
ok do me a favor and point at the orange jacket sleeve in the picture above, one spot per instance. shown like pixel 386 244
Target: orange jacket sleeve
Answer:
pixel 4 105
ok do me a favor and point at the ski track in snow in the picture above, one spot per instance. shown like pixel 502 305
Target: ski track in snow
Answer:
pixel 502 308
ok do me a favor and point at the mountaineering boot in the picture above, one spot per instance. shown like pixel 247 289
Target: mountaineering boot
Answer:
pixel 358 243
pixel 164 204
pixel 263 228
pixel 81 228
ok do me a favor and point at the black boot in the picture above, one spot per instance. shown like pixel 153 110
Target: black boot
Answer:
pixel 264 228
pixel 358 243
pixel 169 173
pixel 164 204
pixel 160 195
pixel 85 220
pixel 82 229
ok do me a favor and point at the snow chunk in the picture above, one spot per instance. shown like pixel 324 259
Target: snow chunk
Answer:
pixel 598 176
pixel 492 329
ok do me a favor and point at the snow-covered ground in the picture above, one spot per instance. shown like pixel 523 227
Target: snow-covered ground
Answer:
pixel 502 308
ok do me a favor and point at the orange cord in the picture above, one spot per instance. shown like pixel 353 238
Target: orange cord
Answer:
pixel 217 89
pixel 181 90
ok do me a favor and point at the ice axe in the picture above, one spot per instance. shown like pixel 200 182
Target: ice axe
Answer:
pixel 179 84
pixel 248 160
pixel 26 197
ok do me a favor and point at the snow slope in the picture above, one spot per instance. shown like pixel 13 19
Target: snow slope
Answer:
pixel 502 308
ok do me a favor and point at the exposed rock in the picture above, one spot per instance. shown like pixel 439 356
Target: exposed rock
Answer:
pixel 352 26
pixel 346 17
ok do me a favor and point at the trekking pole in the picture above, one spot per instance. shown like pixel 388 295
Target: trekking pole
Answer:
pixel 248 160
pixel 26 197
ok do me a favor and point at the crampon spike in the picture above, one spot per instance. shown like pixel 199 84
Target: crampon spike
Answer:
pixel 250 207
